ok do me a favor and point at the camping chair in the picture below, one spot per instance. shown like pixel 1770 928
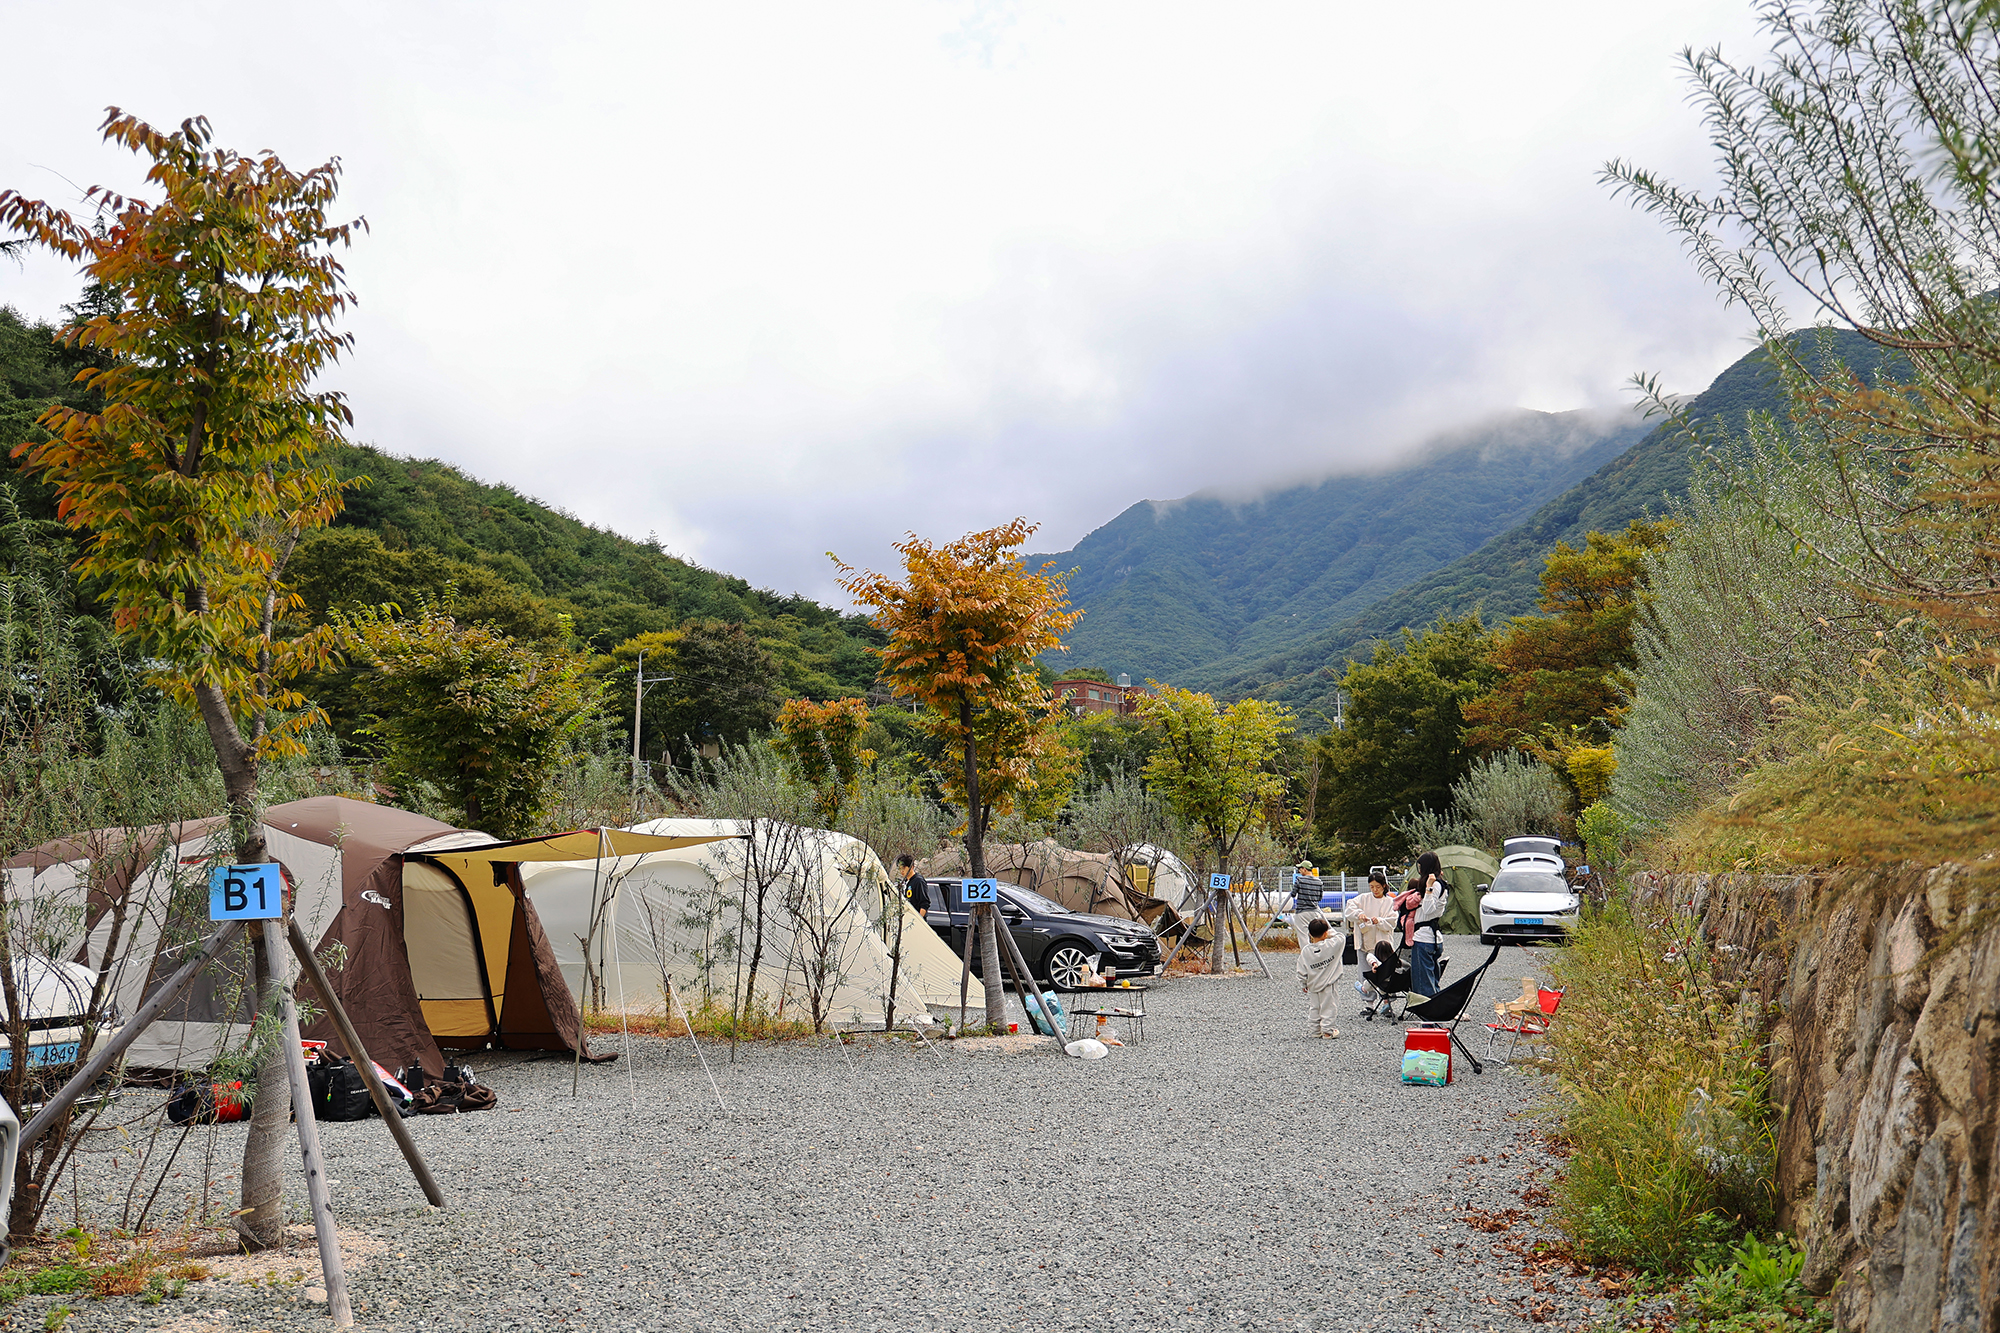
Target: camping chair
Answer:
pixel 1448 1006
pixel 1529 1024
pixel 1392 990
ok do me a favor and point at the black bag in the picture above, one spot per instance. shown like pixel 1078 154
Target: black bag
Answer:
pixel 1348 956
pixel 338 1092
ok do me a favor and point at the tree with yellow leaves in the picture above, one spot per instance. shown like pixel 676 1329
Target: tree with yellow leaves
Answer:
pixel 965 626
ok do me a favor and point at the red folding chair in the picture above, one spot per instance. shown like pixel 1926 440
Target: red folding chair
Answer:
pixel 1518 1027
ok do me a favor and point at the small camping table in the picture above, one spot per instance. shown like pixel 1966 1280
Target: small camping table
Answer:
pixel 1103 1003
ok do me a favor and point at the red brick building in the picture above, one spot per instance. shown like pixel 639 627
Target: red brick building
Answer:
pixel 1094 696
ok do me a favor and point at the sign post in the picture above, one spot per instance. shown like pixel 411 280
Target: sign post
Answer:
pixel 976 891
pixel 246 893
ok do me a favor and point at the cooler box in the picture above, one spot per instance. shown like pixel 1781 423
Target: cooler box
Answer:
pixel 1424 1048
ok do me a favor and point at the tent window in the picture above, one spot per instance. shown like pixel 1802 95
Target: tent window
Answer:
pixel 447 965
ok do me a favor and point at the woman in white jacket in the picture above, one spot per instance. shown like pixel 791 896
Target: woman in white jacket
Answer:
pixel 1372 915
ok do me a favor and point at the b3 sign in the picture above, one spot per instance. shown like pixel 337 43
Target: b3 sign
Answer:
pixel 1218 882
pixel 246 893
pixel 981 891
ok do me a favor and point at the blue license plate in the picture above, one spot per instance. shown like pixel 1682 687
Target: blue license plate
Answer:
pixel 1527 921
pixel 62 1053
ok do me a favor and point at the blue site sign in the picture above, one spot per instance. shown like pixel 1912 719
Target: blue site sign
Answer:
pixel 246 893
pixel 981 891
pixel 1218 882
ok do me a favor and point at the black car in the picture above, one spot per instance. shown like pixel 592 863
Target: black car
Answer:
pixel 1055 941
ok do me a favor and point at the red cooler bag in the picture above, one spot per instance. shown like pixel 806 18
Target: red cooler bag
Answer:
pixel 1421 1048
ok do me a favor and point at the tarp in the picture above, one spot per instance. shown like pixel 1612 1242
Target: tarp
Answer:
pixel 1081 881
pixel 1467 870
pixel 620 928
pixel 427 956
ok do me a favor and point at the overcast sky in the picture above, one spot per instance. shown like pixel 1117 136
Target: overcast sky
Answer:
pixel 769 280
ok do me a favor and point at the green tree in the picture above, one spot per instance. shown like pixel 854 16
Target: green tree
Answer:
pixel 722 686
pixel 1403 746
pixel 1213 769
pixel 964 629
pixel 486 719
pixel 199 475
pixel 822 743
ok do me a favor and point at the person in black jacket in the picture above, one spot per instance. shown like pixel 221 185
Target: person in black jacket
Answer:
pixel 915 888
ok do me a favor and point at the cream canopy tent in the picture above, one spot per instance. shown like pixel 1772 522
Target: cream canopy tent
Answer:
pixel 620 926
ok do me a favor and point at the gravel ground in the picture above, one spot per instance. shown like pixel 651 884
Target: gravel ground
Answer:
pixel 1231 1171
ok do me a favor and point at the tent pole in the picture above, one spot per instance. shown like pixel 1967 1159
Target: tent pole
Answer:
pixel 673 1000
pixel 352 1040
pixel 1254 951
pixel 315 1164
pixel 624 1025
pixel 81 1081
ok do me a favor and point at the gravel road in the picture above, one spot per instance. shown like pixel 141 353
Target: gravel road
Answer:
pixel 1231 1171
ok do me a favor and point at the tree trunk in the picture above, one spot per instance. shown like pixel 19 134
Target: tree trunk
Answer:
pixel 975 858
pixel 1218 912
pixel 261 1223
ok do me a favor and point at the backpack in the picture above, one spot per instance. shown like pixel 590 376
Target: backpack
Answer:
pixel 337 1089
pixel 208 1104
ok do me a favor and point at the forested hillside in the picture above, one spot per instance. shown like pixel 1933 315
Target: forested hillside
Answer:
pixel 1501 577
pixel 419 528
pixel 1193 589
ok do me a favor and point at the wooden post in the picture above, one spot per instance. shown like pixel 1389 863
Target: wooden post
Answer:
pixel 302 1111
pixel 356 1052
pixel 1254 950
pixel 309 1149
pixel 1025 981
pixel 93 1069
pixel 965 965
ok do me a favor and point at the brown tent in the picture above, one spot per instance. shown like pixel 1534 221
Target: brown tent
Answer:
pixel 440 949
pixel 1081 881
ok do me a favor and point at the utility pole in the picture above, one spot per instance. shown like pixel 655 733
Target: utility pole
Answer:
pixel 639 683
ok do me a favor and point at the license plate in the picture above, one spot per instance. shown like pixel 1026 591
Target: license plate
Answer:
pixel 62 1053
pixel 1528 921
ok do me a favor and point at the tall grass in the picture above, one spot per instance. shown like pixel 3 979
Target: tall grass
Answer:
pixel 1660 1096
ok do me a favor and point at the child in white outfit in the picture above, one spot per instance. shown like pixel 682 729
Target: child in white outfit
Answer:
pixel 1319 973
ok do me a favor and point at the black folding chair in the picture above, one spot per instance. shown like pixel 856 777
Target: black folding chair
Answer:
pixel 1448 1006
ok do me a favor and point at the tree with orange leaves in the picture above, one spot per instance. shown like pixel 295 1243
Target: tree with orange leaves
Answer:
pixel 198 478
pixel 965 626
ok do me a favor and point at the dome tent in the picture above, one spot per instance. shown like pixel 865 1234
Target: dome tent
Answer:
pixel 675 914
pixel 1467 870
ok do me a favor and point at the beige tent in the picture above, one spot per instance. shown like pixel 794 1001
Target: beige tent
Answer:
pixel 1081 881
pixel 621 926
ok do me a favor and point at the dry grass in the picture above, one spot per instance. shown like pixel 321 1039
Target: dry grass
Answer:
pixel 711 1023
pixel 83 1263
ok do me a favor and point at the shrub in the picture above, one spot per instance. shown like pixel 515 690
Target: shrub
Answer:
pixel 1661 1097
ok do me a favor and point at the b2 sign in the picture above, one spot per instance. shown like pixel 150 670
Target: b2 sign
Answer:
pixel 981 891
pixel 1219 883
pixel 246 893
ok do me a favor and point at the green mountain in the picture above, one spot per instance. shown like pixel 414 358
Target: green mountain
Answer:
pixel 1502 577
pixel 1196 590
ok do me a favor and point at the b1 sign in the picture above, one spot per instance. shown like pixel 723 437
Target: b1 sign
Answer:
pixel 246 893
pixel 981 891
pixel 1220 883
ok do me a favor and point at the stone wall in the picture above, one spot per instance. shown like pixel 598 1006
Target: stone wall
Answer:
pixel 1885 1024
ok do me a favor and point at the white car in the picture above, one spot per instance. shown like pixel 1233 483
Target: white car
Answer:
pixel 1528 899
pixel 58 996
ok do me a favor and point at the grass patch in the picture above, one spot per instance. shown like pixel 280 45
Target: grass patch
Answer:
pixel 712 1022
pixel 1659 1098
pixel 72 1267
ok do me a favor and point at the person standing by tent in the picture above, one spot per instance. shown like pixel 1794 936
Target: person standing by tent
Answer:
pixel 1318 972
pixel 1427 920
pixel 915 887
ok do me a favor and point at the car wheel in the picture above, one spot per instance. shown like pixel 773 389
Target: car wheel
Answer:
pixel 1065 963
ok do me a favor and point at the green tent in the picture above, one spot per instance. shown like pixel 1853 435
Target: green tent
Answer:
pixel 1467 870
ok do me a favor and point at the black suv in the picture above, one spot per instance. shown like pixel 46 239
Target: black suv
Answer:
pixel 1055 941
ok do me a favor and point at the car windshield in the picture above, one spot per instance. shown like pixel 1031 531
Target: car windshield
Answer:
pixel 1528 881
pixel 1030 901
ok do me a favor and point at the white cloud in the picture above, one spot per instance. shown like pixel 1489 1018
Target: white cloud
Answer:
pixel 768 279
